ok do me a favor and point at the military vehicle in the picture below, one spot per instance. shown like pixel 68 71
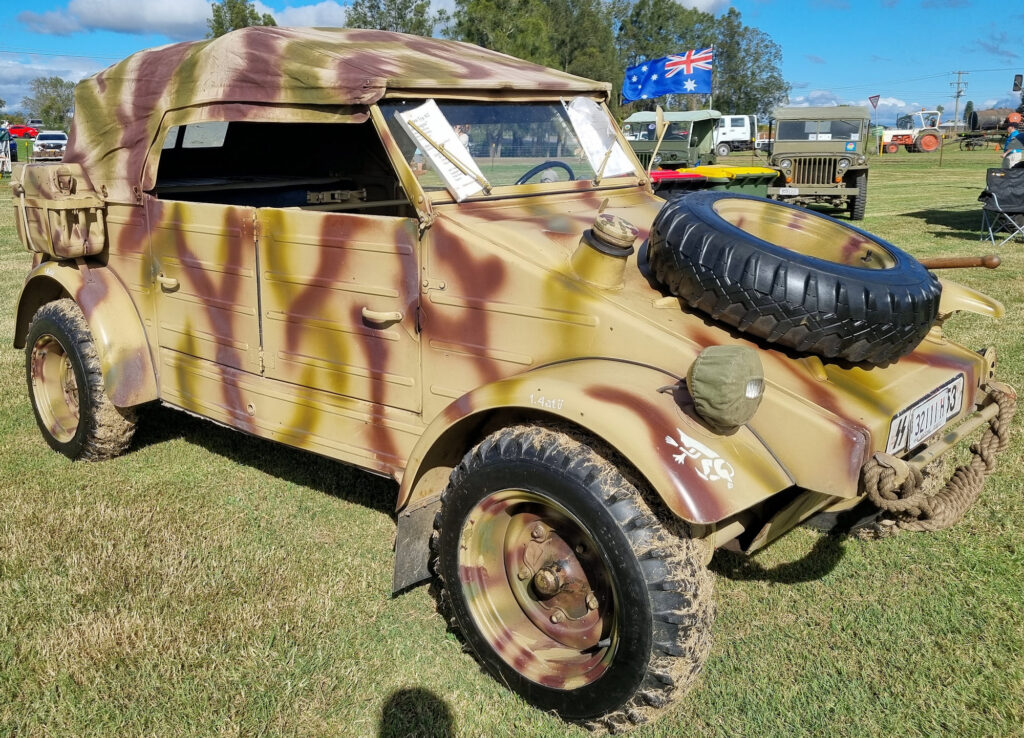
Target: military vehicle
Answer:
pixel 819 152
pixel 688 141
pixel 580 390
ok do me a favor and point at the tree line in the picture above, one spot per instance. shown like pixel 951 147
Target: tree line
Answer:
pixel 597 39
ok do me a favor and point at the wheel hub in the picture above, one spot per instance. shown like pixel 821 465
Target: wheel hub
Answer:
pixel 55 388
pixel 550 562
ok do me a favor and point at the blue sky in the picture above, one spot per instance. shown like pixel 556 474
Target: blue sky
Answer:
pixel 834 51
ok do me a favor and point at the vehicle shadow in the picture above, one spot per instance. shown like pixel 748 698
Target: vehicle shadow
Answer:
pixel 821 559
pixel 159 424
pixel 965 224
pixel 415 712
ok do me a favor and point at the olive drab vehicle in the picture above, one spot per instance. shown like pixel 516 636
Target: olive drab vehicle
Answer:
pixel 463 280
pixel 820 154
pixel 688 140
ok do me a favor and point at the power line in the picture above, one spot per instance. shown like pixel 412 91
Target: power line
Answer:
pixel 30 52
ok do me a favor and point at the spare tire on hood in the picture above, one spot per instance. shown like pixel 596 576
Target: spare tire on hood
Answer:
pixel 793 277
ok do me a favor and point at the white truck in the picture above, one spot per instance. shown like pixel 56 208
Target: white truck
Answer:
pixel 735 133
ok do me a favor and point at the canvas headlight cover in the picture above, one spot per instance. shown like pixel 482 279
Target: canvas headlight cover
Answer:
pixel 726 383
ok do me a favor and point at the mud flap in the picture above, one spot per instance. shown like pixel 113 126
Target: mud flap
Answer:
pixel 412 544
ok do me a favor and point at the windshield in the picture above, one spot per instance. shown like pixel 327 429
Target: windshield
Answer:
pixel 52 137
pixel 818 130
pixel 506 140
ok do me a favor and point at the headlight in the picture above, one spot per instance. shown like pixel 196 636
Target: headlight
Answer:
pixel 726 384
pixel 843 163
pixel 861 159
pixel 785 163
pixel 657 159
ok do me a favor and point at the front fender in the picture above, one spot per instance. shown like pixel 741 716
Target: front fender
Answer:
pixel 114 322
pixel 644 413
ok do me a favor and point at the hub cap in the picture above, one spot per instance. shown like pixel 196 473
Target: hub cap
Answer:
pixel 55 388
pixel 537 589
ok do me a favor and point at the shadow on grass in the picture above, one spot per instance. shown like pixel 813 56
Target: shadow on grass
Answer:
pixel 957 223
pixel 415 712
pixel 159 425
pixel 819 561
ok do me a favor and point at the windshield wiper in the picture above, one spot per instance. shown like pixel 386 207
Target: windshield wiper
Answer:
pixel 480 179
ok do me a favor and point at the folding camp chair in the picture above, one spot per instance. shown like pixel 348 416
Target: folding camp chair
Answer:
pixel 1003 204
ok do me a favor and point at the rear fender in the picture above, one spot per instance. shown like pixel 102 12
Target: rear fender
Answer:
pixel 114 322
pixel 644 413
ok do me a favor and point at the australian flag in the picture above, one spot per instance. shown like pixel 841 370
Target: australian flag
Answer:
pixel 678 73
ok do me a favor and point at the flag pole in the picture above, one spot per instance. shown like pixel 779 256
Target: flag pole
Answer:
pixel 711 96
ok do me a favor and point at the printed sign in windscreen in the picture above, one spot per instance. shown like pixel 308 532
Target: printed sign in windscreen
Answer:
pixel 427 124
pixel 597 137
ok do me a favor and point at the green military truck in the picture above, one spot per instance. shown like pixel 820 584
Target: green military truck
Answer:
pixel 688 142
pixel 820 155
pixel 467 285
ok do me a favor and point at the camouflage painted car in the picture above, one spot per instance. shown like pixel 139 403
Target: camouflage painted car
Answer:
pixel 497 331
pixel 820 153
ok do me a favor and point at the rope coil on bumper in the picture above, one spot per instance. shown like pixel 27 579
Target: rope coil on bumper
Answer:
pixel 896 486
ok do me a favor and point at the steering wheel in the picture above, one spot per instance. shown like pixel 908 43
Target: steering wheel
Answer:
pixel 546 165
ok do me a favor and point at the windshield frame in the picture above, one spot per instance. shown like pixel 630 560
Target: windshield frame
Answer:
pixel 499 191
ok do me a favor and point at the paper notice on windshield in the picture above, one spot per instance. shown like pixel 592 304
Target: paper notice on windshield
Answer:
pixel 432 134
pixel 597 137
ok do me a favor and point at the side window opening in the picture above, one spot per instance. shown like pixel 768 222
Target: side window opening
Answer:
pixel 312 166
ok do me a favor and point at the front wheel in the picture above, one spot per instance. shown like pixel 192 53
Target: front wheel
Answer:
pixel 859 202
pixel 65 384
pixel 722 149
pixel 565 584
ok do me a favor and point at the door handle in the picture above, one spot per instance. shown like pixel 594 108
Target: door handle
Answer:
pixel 379 317
pixel 168 283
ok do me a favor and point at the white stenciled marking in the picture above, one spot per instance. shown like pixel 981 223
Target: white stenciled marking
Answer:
pixel 708 464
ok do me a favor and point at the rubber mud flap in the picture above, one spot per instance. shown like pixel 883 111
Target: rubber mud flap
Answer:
pixel 793 277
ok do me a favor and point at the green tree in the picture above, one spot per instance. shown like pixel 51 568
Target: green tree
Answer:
pixel 582 40
pixel 747 78
pixel 517 27
pixel 52 101
pixel 230 15
pixel 404 16
pixel 3 103
pixel 1020 108
pixel 968 109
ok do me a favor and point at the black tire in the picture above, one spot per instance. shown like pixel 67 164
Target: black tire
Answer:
pixel 65 385
pixel 859 202
pixel 783 292
pixel 723 149
pixel 653 603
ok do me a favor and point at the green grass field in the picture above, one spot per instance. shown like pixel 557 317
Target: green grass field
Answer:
pixel 210 584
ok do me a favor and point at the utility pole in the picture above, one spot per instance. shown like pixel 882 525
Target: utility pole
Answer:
pixel 959 87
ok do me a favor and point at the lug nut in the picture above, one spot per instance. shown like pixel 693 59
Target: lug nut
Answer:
pixel 591 601
pixel 557 617
pixel 538 532
pixel 523 574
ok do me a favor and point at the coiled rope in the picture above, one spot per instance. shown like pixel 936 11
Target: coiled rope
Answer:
pixel 911 506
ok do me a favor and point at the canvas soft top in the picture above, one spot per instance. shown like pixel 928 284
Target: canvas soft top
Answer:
pixel 829 112
pixel 118 111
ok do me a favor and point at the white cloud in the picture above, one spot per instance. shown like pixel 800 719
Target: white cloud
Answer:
pixel 15 75
pixel 177 19
pixel 708 6
pixel 327 13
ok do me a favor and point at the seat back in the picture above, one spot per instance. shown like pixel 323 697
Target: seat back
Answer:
pixel 1007 186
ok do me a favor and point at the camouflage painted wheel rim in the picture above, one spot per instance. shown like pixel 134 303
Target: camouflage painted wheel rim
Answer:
pixel 55 388
pixel 803 232
pixel 537 589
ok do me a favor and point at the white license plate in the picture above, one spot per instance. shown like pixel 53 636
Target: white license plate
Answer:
pixel 789 190
pixel 911 426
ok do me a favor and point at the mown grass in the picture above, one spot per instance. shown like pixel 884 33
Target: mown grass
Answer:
pixel 210 584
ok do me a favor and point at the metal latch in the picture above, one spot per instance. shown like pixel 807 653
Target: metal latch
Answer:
pixel 65 181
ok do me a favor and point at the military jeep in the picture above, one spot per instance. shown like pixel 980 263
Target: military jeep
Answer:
pixel 820 154
pixel 688 140
pixel 467 285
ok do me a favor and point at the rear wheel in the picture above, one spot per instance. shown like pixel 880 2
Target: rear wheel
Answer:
pixel 928 142
pixel 565 584
pixel 722 149
pixel 65 384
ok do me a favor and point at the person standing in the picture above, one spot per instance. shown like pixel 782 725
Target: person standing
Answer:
pixel 5 149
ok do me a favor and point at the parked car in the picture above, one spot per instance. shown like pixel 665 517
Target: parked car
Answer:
pixel 19 130
pixel 50 145
pixel 580 390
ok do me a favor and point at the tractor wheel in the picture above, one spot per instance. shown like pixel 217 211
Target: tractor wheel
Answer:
pixel 892 148
pixel 928 142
